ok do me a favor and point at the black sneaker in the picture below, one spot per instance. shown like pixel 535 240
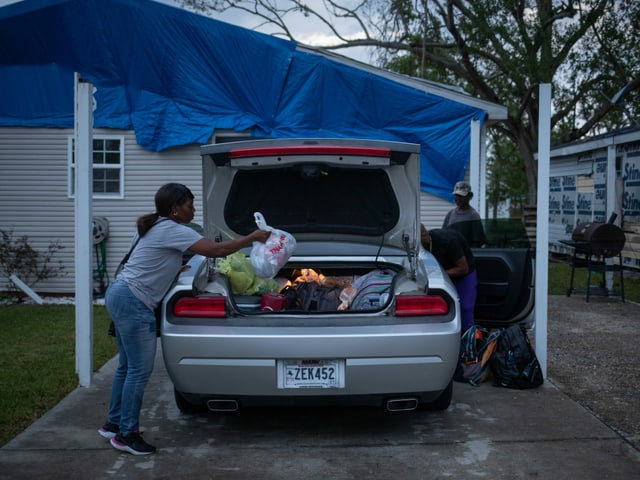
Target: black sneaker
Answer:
pixel 109 430
pixel 132 443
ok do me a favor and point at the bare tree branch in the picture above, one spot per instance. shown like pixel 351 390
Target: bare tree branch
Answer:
pixel 500 51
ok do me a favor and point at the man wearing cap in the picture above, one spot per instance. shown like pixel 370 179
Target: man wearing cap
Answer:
pixel 464 218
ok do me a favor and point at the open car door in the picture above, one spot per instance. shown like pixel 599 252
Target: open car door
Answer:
pixel 506 274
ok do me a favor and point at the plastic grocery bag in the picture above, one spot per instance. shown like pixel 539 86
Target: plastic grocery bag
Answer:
pixel 269 257
pixel 237 267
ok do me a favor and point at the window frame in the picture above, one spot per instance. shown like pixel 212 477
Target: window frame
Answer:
pixel 102 166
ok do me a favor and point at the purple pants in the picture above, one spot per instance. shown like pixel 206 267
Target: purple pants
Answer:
pixel 467 288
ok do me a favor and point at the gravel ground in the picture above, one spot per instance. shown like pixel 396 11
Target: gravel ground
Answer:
pixel 593 357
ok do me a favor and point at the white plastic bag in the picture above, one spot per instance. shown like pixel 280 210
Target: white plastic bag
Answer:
pixel 269 257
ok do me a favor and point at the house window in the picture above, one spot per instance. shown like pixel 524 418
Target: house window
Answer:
pixel 108 166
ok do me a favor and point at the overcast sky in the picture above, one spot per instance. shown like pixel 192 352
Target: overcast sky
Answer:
pixel 306 30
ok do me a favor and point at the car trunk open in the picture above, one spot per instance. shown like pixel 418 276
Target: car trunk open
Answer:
pixel 352 207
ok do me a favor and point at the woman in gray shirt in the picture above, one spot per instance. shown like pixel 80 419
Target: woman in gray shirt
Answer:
pixel 155 259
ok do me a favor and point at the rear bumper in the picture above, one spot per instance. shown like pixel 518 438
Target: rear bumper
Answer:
pixel 231 403
pixel 241 362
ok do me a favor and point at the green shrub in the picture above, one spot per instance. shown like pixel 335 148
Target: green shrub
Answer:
pixel 18 257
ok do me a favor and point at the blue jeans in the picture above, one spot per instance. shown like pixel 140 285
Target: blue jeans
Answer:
pixel 136 336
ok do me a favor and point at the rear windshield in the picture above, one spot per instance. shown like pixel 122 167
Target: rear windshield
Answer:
pixel 313 198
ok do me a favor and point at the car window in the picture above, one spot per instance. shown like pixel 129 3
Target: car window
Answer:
pixel 506 233
pixel 314 198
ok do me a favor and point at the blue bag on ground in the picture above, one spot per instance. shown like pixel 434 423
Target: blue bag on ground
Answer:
pixel 477 346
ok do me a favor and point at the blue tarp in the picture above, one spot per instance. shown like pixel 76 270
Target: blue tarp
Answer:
pixel 173 77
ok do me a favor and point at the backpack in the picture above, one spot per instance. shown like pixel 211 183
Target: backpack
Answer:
pixel 372 290
pixel 311 296
pixel 476 348
pixel 514 363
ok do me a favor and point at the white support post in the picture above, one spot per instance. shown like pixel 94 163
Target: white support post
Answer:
pixel 483 207
pixel 474 164
pixel 83 155
pixel 542 231
pixel 611 182
pixel 611 207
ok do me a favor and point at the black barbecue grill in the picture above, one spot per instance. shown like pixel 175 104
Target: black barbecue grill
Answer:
pixel 593 244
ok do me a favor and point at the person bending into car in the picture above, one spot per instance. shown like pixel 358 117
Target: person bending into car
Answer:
pixel 162 238
pixel 452 252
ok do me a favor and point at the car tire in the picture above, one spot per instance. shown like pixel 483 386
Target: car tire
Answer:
pixel 184 405
pixel 442 402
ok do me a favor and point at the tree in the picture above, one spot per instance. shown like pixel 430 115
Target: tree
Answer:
pixel 497 50
pixel 508 180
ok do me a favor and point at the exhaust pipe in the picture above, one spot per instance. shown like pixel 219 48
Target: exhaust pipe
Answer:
pixel 222 405
pixel 402 404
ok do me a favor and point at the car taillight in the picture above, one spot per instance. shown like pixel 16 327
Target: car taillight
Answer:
pixel 200 307
pixel 416 305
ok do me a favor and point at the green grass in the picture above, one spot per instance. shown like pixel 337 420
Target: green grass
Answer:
pixel 560 279
pixel 37 360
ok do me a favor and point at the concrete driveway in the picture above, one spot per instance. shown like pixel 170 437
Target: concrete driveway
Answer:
pixel 488 432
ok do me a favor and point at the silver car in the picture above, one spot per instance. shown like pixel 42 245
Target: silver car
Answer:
pixel 353 208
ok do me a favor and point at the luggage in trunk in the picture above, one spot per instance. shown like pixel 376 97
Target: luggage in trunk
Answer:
pixel 326 290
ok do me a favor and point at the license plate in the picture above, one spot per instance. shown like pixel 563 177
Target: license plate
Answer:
pixel 311 373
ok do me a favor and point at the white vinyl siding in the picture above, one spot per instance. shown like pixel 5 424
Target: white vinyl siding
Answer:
pixel 34 194
pixel 433 210
pixel 34 198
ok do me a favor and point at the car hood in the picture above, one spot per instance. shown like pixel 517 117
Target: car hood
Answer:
pixel 322 191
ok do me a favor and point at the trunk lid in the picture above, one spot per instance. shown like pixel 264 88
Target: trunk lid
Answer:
pixel 328 193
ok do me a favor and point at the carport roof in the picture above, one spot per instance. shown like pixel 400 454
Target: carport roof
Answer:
pixel 174 77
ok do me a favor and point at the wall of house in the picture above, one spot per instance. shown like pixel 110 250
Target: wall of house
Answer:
pixel 34 198
pixel 433 210
pixel 571 196
pixel 578 194
pixel 630 201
